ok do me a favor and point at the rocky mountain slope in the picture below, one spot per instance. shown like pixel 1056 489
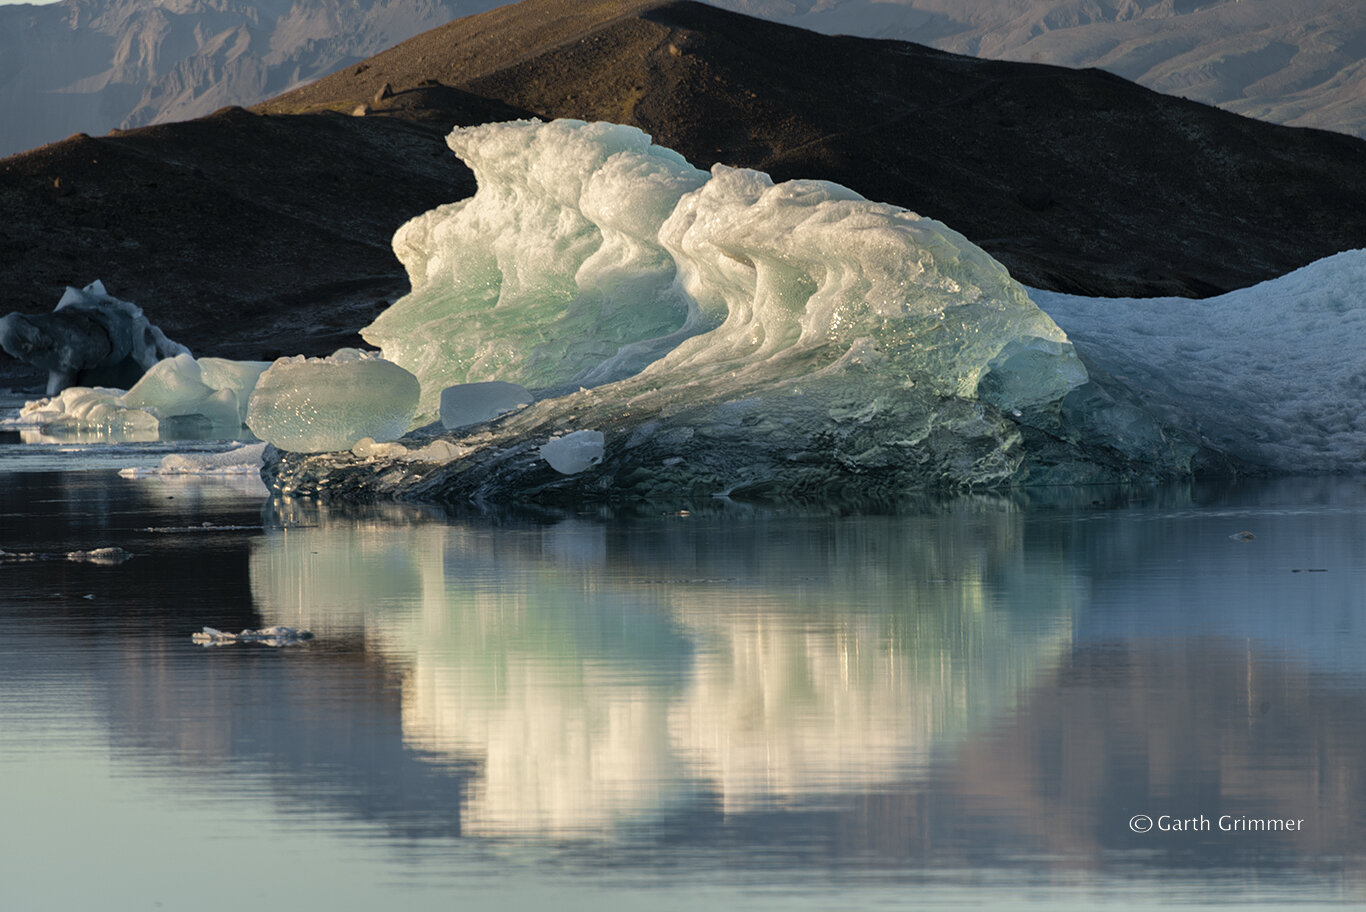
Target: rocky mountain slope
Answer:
pixel 1297 62
pixel 1073 179
pixel 92 65
pixel 249 234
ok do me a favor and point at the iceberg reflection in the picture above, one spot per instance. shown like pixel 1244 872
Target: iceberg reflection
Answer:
pixel 605 675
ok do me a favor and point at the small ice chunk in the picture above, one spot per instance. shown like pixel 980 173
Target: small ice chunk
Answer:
pixel 574 452
pixel 324 405
pixel 367 448
pixel 437 451
pixel 104 557
pixel 244 460
pixel 266 636
pixel 474 403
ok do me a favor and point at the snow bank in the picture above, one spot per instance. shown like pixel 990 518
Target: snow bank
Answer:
pixel 1270 374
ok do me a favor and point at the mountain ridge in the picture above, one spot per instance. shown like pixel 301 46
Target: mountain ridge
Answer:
pixel 93 65
pixel 1292 62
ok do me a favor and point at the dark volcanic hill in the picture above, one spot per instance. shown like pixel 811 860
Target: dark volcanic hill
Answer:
pixel 247 234
pixel 240 235
pixel 1075 179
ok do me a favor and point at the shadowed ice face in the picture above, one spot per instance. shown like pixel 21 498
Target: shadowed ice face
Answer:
pixel 66 345
pixel 25 340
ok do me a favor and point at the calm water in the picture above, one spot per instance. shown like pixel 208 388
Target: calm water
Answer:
pixel 962 705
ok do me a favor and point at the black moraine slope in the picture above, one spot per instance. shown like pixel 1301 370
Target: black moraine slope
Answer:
pixel 249 234
pixel 1075 179
pixel 240 235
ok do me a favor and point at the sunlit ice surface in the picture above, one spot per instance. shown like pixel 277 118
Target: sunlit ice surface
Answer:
pixel 966 704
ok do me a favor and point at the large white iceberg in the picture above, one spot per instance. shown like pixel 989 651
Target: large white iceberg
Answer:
pixel 755 334
pixel 728 335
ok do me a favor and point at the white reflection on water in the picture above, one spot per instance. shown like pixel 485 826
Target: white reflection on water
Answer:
pixel 602 676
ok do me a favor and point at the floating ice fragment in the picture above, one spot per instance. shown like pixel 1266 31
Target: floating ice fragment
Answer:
pixel 574 452
pixel 202 527
pixel 323 405
pixel 104 557
pixel 474 403
pixel 244 460
pixel 266 636
pixel 86 407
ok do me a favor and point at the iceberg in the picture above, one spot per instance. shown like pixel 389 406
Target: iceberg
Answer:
pixel 90 339
pixel 176 391
pixel 553 273
pixel 238 376
pixel 175 388
pixel 725 334
pixel 78 407
pixel 315 405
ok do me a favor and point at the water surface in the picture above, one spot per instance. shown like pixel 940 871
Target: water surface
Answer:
pixel 965 703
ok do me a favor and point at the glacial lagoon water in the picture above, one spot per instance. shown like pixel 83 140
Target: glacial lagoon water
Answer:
pixel 961 704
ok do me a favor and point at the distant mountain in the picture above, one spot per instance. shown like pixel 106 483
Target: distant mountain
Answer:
pixel 1296 62
pixel 249 233
pixel 92 65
